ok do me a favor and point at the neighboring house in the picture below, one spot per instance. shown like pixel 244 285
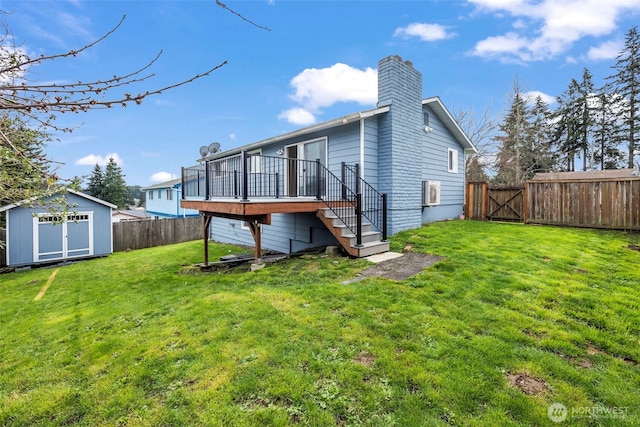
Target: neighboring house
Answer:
pixel 304 185
pixel 163 200
pixel 35 236
pixel 130 215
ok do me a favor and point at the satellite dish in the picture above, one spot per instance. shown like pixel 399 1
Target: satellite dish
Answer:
pixel 204 150
pixel 214 147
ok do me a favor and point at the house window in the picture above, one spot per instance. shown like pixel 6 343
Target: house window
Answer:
pixel 150 194
pixel 244 225
pixel 169 194
pixel 452 160
pixel 426 118
pixel 159 194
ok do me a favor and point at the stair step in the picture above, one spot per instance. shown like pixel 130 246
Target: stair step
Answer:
pixel 367 236
pixel 372 248
pixel 371 243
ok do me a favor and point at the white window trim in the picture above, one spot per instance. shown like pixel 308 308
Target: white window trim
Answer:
pixel 452 160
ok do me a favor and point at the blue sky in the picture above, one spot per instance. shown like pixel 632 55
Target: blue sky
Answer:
pixel 317 62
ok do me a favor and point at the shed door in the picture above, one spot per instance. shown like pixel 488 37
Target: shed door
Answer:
pixel 53 240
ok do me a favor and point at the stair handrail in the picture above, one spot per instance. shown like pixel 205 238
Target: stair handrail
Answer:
pixel 374 203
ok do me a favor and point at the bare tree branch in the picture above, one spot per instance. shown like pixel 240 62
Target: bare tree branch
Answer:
pixel 224 6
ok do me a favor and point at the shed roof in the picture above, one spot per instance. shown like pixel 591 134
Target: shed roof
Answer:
pixel 77 193
pixel 586 175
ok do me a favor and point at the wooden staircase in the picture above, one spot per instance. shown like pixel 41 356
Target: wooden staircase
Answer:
pixel 371 243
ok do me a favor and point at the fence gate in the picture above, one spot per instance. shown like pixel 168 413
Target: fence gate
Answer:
pixel 495 203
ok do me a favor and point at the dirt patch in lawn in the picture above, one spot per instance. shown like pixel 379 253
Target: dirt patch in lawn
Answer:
pixel 364 360
pixel 401 268
pixel 527 384
pixel 634 247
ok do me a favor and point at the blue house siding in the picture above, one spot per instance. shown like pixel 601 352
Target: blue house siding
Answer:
pixel 435 147
pixel 21 232
pixel 370 165
pixel 286 233
pixel 163 201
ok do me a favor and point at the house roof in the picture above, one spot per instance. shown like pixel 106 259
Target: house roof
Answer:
pixel 449 122
pixel 341 121
pixel 77 193
pixel 434 103
pixel 167 184
pixel 586 175
pixel 132 213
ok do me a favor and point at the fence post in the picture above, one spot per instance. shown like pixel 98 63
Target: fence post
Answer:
pixel 277 185
pixel 384 217
pixel 318 184
pixel 245 177
pixel 357 178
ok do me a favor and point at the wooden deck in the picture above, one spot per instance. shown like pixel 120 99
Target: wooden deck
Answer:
pixel 254 212
pixel 238 209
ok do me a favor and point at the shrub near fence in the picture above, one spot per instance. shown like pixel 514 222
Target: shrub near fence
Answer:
pixel 160 232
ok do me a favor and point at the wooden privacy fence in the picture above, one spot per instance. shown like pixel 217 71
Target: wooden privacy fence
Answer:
pixel 160 232
pixel 613 203
pixel 605 203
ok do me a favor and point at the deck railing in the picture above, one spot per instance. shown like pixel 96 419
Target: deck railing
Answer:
pixel 249 176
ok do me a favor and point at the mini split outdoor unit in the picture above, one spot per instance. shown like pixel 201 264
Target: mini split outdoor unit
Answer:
pixel 430 193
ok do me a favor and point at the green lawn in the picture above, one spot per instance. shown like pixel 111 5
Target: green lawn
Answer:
pixel 143 339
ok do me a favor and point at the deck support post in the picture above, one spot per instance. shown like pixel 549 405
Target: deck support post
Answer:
pixel 207 222
pixel 254 226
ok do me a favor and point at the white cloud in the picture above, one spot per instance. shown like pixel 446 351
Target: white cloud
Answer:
pixel 425 32
pixel 533 94
pixel 548 28
pixel 93 159
pixel 298 116
pixel 317 88
pixel 161 177
pixel 606 50
pixel 233 136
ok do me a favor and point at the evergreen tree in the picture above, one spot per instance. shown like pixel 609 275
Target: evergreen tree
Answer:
pixel 513 130
pixel 627 83
pixel 585 122
pixel 606 131
pixel 525 148
pixel 96 182
pixel 566 125
pixel 540 156
pixel 115 188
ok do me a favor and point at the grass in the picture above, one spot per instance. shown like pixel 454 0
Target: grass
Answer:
pixel 143 339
